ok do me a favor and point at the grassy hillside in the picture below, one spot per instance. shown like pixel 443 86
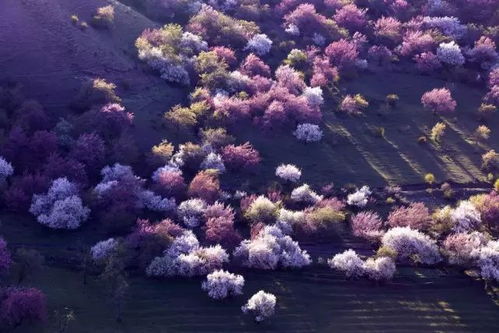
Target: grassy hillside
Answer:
pixel 352 152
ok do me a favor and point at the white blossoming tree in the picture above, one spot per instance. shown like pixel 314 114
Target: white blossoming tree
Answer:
pixel 305 194
pixel 103 248
pixel 450 53
pixel 261 305
pixel 377 269
pixel 308 132
pixel 270 249
pixel 465 217
pixel 185 257
pixel 359 198
pixel 313 96
pixel 191 211
pixel 349 263
pixel 6 170
pixel 213 161
pixel 288 172
pixel 221 284
pixel 61 207
pixel 412 245
pixel 488 261
pixel 259 44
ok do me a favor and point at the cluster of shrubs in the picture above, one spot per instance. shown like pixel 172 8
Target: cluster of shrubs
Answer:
pixel 18 304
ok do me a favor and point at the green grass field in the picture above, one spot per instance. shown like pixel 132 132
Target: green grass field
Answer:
pixel 314 300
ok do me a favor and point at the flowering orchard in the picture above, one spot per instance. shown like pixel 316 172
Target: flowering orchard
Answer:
pixel 232 186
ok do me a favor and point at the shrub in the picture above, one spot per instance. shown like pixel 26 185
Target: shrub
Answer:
pixel 305 20
pixel 449 26
pixel 169 182
pixel 320 219
pixel 89 149
pixel 323 72
pixel 221 284
pixel 31 117
pixel 484 52
pixel 170 51
pixel 360 197
pixel 220 29
pixel 463 248
pixel 205 185
pixel 305 194
pixel 115 119
pixel 18 196
pixel 220 229
pixel 189 156
pixel 379 55
pixel 288 172
pixel 102 249
pixel 226 54
pixel 429 178
pixel 261 305
pixel 216 137
pixel 253 66
pixel 487 109
pixel 388 30
pixel 185 257
pixel 271 248
pixel 290 79
pixel 367 225
pixel 488 261
pixel 104 17
pixel 415 216
pixel 488 206
pixel 243 156
pixel 213 161
pixel 61 207
pixel 6 169
pixel 349 263
pixel 261 210
pixel 437 131
pixel 450 53
pixel 351 17
pixel 259 44
pixel 313 96
pixel 191 211
pixel 465 217
pixel 5 258
pixel 97 91
pixel 427 62
pixel 416 42
pixel 162 152
pixel 439 100
pixel 380 269
pixel 353 105
pixel 490 159
pixel 23 304
pixel 342 54
pixel 411 245
pixel 482 132
pixel 392 99
pixel 308 132
pixel 28 153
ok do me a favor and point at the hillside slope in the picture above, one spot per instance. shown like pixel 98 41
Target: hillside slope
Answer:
pixel 50 56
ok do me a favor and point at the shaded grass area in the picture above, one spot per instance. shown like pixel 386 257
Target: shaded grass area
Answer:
pixel 352 152
pixel 314 300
